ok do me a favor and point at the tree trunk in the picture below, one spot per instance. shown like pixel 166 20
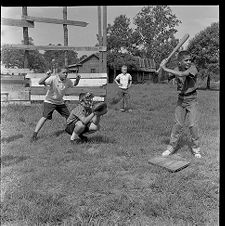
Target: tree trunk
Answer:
pixel 114 73
pixel 208 82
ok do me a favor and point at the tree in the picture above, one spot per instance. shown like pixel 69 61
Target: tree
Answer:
pixel 57 57
pixel 15 58
pixel 205 50
pixel 119 43
pixel 155 30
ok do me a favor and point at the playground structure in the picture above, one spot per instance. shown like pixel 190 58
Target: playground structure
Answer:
pixel 21 85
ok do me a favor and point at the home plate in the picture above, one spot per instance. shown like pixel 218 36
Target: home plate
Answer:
pixel 173 163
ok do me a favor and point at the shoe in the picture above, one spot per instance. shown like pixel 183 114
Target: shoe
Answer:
pixel 83 138
pixel 197 155
pixel 122 110
pixel 196 152
pixel 129 110
pixel 33 138
pixel 168 152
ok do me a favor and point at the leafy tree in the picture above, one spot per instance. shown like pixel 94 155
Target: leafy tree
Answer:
pixel 119 44
pixel 56 57
pixel 12 57
pixel 205 50
pixel 155 30
pixel 15 58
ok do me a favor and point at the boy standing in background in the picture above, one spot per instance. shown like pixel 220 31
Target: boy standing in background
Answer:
pixel 124 81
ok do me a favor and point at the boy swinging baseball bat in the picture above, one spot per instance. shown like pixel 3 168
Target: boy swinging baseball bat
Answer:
pixel 181 42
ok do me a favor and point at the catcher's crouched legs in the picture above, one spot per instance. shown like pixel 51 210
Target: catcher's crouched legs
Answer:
pixel 95 126
pixel 78 129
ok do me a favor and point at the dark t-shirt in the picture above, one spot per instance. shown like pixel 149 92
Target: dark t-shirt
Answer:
pixel 188 83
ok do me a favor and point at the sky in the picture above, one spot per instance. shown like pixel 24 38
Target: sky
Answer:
pixel 194 19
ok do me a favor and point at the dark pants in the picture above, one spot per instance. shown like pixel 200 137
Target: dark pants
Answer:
pixel 50 108
pixel 123 94
pixel 186 110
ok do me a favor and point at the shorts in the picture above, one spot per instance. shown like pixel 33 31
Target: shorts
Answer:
pixel 70 127
pixel 49 109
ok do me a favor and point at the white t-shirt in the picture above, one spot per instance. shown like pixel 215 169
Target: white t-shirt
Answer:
pixel 57 89
pixel 124 80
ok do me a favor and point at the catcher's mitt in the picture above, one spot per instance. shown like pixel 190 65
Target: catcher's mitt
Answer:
pixel 100 108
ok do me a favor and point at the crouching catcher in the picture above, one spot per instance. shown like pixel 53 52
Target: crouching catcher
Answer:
pixel 84 118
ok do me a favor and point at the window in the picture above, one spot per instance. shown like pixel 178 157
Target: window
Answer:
pixel 93 70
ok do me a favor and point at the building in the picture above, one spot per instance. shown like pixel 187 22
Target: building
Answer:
pixel 146 68
pixel 89 64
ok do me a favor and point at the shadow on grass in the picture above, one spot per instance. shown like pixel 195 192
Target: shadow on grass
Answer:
pixel 8 160
pixel 11 138
pixel 101 139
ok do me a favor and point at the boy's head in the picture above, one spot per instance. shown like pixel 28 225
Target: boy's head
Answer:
pixel 124 69
pixel 184 59
pixel 63 73
pixel 86 99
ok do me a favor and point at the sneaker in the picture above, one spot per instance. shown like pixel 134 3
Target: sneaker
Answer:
pixel 33 138
pixel 122 110
pixel 197 155
pixel 129 110
pixel 196 152
pixel 168 152
pixel 83 138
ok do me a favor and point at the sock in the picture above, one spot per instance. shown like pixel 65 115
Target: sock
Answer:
pixel 73 136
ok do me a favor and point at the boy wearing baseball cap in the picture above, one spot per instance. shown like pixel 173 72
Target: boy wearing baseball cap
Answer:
pixel 186 77
pixel 83 119
pixel 57 86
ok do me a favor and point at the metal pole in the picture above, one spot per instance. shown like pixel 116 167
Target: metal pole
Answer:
pixel 25 38
pixel 65 35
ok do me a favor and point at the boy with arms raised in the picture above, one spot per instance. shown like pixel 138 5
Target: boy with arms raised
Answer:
pixel 83 119
pixel 57 86
pixel 186 109
pixel 124 81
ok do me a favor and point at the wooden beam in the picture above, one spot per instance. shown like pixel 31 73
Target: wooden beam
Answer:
pixel 25 39
pixel 100 37
pixel 104 63
pixel 97 91
pixel 17 23
pixel 56 21
pixel 51 47
pixel 65 32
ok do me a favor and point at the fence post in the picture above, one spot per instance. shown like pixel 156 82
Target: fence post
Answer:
pixel 25 38
pixel 104 63
pixel 65 29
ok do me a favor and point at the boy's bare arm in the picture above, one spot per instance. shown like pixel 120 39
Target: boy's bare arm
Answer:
pixel 87 119
pixel 116 82
pixel 176 73
pixel 130 83
pixel 42 80
pixel 77 80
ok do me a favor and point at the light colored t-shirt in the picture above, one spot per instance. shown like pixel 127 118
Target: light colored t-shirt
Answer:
pixel 187 84
pixel 124 80
pixel 56 89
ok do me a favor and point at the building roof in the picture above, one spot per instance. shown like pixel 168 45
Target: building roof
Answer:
pixel 145 64
pixel 79 63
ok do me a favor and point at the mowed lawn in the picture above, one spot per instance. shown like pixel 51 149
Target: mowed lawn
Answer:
pixel 108 181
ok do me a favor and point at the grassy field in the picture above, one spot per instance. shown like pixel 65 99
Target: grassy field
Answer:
pixel 108 181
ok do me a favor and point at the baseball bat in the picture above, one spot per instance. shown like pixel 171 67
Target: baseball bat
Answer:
pixel 181 42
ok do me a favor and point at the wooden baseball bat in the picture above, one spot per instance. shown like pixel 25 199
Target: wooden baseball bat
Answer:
pixel 181 42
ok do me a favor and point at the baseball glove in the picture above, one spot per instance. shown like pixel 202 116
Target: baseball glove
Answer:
pixel 100 108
